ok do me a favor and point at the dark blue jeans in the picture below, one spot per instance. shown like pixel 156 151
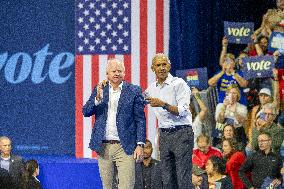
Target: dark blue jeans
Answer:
pixel 176 151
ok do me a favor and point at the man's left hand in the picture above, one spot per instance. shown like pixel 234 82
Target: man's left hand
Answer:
pixel 138 154
pixel 155 102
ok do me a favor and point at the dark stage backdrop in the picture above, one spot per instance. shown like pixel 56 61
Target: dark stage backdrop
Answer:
pixel 37 103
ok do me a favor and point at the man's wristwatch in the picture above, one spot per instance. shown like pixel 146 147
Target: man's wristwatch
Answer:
pixel 166 106
pixel 141 145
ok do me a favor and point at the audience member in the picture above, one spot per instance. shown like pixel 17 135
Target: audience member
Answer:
pixel 262 164
pixel 229 132
pixel 204 151
pixel 231 112
pixel 12 163
pixel 199 178
pixel 234 160
pixel 272 21
pixel 215 168
pixel 148 173
pixel 29 180
pixel 227 76
pixel 265 123
pixel 200 117
pixel 6 181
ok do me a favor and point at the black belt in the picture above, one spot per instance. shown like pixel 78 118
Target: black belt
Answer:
pixel 111 141
pixel 174 128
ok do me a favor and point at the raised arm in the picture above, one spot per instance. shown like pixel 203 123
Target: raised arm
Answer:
pixel 224 51
pixel 203 109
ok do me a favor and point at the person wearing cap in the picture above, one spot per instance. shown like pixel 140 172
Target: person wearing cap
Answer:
pixel 199 178
pixel 265 96
pixel 170 98
pixel 265 123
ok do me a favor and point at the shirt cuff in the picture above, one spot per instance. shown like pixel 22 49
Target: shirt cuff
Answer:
pixel 97 102
pixel 183 111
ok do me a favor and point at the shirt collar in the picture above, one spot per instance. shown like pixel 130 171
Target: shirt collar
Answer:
pixel 167 81
pixel 119 86
pixel 6 159
pixel 36 178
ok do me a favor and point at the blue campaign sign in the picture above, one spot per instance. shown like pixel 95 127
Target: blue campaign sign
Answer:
pixel 194 77
pixel 258 66
pixel 238 32
pixel 37 104
pixel 276 42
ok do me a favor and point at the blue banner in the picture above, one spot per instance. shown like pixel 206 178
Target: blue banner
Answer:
pixel 37 105
pixel 276 42
pixel 258 66
pixel 238 32
pixel 194 77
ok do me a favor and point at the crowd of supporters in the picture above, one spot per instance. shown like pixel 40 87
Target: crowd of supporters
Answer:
pixel 247 145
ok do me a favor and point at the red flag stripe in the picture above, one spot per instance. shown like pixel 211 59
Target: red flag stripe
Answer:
pixel 79 104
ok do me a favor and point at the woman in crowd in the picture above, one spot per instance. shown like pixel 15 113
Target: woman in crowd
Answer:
pixel 29 180
pixel 215 168
pixel 231 112
pixel 234 159
pixel 229 132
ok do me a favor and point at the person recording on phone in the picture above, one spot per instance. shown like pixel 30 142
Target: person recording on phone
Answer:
pixel 265 123
pixel 231 112
pixel 119 131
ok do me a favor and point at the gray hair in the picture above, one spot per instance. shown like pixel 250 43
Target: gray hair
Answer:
pixel 114 60
pixel 4 138
pixel 270 106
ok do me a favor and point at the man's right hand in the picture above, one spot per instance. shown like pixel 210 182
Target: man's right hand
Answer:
pixel 100 90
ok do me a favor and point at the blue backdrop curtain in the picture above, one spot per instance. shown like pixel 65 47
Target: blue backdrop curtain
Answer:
pixel 196 29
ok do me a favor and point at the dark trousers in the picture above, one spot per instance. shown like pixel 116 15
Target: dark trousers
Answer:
pixel 176 151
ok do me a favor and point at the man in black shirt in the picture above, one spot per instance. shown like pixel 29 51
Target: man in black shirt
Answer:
pixel 148 173
pixel 262 164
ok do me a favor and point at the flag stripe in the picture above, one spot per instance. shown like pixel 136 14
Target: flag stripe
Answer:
pixel 79 104
pixel 166 26
pixel 160 25
pixel 143 44
pixel 135 42
pixel 95 81
pixel 87 85
pixel 153 32
pixel 127 64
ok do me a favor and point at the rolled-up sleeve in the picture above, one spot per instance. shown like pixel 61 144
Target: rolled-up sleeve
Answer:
pixel 183 93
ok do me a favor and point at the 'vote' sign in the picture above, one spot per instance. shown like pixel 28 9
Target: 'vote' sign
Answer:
pixel 19 66
pixel 238 32
pixel 258 66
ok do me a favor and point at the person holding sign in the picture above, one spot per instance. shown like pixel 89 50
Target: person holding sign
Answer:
pixel 228 75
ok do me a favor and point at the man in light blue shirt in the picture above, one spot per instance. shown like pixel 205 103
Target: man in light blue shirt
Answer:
pixel 170 98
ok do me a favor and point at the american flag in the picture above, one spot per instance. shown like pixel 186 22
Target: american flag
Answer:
pixel 130 30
